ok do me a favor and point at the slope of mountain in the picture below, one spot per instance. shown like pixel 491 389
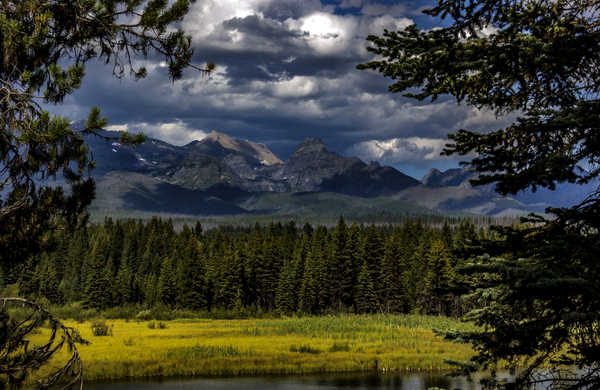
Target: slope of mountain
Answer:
pixel 122 191
pixel 248 164
pixel 312 168
pixel 221 145
pixel 565 194
pixel 148 157
pixel 452 177
pixel 329 204
pixel 222 175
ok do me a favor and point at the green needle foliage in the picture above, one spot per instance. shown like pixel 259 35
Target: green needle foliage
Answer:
pixel 18 357
pixel 44 47
pixel 534 286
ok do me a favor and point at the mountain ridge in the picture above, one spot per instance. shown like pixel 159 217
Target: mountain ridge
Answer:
pixel 241 176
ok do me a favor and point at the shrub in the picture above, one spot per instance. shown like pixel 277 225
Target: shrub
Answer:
pixel 157 325
pixel 339 347
pixel 123 312
pixel 143 315
pixel 129 342
pixel 100 328
pixel 304 348
pixel 76 311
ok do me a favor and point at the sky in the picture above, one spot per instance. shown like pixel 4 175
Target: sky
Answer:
pixel 286 70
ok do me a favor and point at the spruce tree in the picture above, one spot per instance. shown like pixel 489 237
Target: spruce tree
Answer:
pixel 439 279
pixel 29 281
pixel 150 290
pixel 167 289
pixel 124 285
pixel 372 256
pixel 286 295
pixel 309 290
pixel 97 288
pixel 229 281
pixel 366 295
pixel 191 275
pixel 538 59
pixel 49 283
pixel 342 267
pixel 393 294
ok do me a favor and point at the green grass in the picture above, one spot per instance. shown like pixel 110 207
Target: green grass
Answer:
pixel 305 345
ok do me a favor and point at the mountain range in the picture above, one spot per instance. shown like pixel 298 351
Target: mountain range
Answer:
pixel 221 175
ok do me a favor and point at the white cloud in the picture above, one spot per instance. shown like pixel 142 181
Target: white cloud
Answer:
pixel 205 17
pixel 176 133
pixel 484 119
pixel 324 32
pixel 400 150
pixel 377 25
pixel 295 87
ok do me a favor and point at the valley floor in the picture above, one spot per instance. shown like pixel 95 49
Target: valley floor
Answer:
pixel 267 346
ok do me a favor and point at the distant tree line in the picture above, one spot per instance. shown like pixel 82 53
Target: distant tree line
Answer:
pixel 275 268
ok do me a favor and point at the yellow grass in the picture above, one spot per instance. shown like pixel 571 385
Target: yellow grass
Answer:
pixel 267 346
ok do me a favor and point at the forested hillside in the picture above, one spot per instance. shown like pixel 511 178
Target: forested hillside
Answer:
pixel 276 268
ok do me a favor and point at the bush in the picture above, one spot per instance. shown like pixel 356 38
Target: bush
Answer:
pixel 339 347
pixel 121 312
pixel 157 325
pixel 128 342
pixel 100 328
pixel 143 315
pixel 305 348
pixel 75 311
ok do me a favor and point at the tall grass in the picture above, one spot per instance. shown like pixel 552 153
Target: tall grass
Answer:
pixel 269 346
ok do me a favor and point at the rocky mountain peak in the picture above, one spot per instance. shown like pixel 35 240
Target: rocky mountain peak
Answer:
pixel 450 177
pixel 310 145
pixel 255 150
pixel 223 139
pixel 432 177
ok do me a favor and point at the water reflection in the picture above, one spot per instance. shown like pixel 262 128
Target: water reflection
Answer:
pixel 324 382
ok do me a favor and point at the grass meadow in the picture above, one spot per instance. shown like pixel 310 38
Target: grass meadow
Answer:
pixel 197 347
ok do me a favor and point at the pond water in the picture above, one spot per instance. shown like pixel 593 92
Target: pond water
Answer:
pixel 319 382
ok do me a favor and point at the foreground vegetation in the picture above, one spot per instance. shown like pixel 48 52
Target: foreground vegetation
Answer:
pixel 189 347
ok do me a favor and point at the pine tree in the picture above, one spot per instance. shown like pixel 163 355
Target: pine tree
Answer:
pixel 167 289
pixel 97 290
pixel 49 283
pixel 393 294
pixel 229 280
pixel 124 285
pixel 354 250
pixel 372 256
pixel 366 295
pixel 342 267
pixel 268 273
pixel 286 295
pixel 309 291
pixel 322 254
pixel 74 278
pixel 439 279
pixel 150 290
pixel 191 275
pixel 29 281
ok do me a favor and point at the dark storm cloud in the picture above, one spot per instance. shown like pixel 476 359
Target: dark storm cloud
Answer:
pixel 285 9
pixel 285 71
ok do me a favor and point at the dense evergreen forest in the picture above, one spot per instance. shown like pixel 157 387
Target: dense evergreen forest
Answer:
pixel 274 268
